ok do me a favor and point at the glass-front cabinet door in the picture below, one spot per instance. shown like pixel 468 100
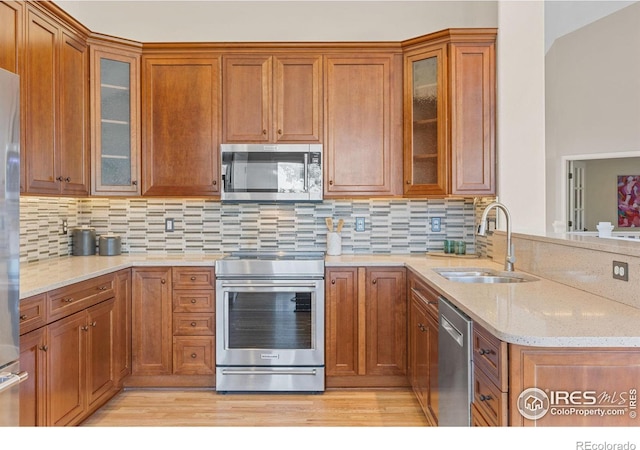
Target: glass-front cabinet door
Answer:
pixel 115 100
pixel 425 157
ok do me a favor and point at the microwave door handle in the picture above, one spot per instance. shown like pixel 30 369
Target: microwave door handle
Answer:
pixel 306 172
pixel 226 178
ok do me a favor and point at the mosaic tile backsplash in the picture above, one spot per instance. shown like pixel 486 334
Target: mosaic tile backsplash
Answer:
pixel 208 226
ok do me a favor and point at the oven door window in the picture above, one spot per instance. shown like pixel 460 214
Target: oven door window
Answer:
pixel 268 172
pixel 270 320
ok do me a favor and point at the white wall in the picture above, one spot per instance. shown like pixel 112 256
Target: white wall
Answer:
pixel 592 97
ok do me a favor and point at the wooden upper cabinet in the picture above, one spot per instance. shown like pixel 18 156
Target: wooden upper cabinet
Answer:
pixel 11 16
pixel 363 144
pixel 449 109
pixel 55 93
pixel 180 125
pixel 115 110
pixel 272 98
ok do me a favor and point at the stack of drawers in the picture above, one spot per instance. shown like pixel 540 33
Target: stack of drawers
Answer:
pixel 193 321
pixel 490 379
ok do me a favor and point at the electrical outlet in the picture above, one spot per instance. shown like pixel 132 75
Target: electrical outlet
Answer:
pixel 436 224
pixel 621 271
pixel 359 223
pixel 65 226
pixel 168 225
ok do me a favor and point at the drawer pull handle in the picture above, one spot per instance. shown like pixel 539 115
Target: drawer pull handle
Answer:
pixel 484 398
pixel 483 351
pixel 102 288
pixel 24 317
pixel 193 324
pixel 194 356
pixel 67 300
pixel 193 300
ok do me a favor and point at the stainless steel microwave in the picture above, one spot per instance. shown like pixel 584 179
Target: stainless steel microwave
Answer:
pixel 271 172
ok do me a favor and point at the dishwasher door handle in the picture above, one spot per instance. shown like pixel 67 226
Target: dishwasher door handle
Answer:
pixel 453 332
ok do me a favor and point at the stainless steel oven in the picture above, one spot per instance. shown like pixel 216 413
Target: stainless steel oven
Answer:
pixel 270 322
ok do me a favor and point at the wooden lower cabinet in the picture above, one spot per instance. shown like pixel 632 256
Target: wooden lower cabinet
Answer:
pixel 366 327
pixel 585 387
pixel 423 346
pixel 173 330
pixel 72 360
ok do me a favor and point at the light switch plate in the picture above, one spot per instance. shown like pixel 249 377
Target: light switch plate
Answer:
pixel 168 225
pixel 436 223
pixel 359 223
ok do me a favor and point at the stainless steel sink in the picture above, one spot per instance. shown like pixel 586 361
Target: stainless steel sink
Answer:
pixel 474 275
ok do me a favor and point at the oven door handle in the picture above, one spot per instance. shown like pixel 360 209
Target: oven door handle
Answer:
pixel 269 372
pixel 267 285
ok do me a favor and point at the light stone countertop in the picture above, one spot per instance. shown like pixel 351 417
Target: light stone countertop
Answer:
pixel 539 313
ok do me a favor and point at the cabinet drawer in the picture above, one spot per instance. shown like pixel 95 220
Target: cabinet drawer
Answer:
pixel 425 294
pixel 490 354
pixel 78 296
pixel 193 355
pixel 193 278
pixel 32 313
pixel 189 324
pixel 195 300
pixel 478 419
pixel 489 399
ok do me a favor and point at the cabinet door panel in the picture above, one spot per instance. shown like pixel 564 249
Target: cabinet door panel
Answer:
pixel 362 99
pixel 73 146
pixel 122 351
pixel 297 96
pixel 386 322
pixel 473 124
pixel 40 104
pixel 342 338
pixel 151 319
pixel 33 390
pixel 100 350
pixel 10 35
pixel 180 136
pixel 67 376
pixel 247 99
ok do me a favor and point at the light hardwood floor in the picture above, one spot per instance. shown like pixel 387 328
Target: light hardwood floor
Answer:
pixel 206 408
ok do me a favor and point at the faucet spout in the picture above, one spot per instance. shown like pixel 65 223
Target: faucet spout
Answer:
pixel 482 231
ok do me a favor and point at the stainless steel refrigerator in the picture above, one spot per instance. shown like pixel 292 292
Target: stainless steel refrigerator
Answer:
pixel 10 375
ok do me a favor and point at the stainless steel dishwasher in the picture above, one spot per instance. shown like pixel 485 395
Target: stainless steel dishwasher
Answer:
pixel 455 383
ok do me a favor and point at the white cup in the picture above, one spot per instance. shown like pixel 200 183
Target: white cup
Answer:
pixel 334 243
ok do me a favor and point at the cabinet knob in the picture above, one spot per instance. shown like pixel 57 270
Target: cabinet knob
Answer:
pixel 67 300
pixel 264 132
pixel 194 356
pixel 134 183
pixel 375 281
pixel 24 317
pixel 193 324
pixel 85 328
pixel 102 288
pixel 68 179
pixel 483 351
pixel 408 181
pixel 330 182
pixel 484 398
pixel 193 278
pixel 279 131
pixel 44 348
pixel 215 182
pixel 193 301
pixel 94 324
pixel 333 281
pixel 163 281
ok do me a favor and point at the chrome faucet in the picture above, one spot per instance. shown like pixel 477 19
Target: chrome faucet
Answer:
pixel 482 231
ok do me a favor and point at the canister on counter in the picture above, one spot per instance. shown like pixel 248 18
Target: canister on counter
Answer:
pixel 109 245
pixel 83 241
